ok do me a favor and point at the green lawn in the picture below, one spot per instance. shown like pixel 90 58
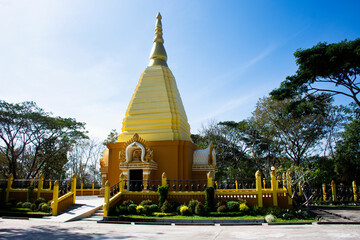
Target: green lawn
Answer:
pixel 190 217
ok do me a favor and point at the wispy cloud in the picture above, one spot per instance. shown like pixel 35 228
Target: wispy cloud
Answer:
pixel 226 107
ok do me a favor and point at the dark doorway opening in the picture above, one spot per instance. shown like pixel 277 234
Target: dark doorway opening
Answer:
pixel 136 180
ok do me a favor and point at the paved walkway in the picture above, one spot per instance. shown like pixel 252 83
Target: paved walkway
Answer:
pixel 39 229
pixel 339 215
pixel 83 207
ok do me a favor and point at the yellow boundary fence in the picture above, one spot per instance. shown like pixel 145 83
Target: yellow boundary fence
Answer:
pixel 58 204
pixel 260 195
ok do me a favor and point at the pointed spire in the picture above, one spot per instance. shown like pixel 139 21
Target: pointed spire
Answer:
pixel 158 54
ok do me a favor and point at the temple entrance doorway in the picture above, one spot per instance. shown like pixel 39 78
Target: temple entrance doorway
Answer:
pixel 135 180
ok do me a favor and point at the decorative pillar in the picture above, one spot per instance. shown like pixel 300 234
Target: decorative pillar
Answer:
pixel 163 179
pixel 55 201
pixel 40 186
pixel 288 180
pixel 274 187
pixel 9 183
pixel 106 199
pixel 146 177
pixel 333 190
pixel 73 187
pixel 324 191
pixel 81 188
pixel 258 188
pixel 209 179
pixel 93 187
pixel 300 190
pixel 354 191
pixel 122 182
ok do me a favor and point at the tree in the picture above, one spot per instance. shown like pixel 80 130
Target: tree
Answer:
pixel 297 125
pixel 84 160
pixel 231 151
pixel 31 139
pixel 347 155
pixel 112 137
pixel 330 68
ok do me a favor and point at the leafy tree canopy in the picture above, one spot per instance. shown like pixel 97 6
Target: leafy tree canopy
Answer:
pixel 112 137
pixel 31 139
pixel 347 156
pixel 330 68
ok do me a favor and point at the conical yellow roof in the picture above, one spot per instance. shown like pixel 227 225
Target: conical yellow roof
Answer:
pixel 156 111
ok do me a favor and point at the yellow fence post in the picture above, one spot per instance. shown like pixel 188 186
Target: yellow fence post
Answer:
pixel 236 185
pixel 93 188
pixel 9 183
pixel 106 199
pixel 55 201
pixel 209 179
pixel 284 181
pixel 81 188
pixel 288 180
pixel 354 191
pixel 264 183
pixel 258 188
pixel 324 191
pixel 121 183
pixel 274 187
pixel 163 179
pixel 49 184
pixel 40 186
pixel 73 187
pixel 333 190
pixel 300 193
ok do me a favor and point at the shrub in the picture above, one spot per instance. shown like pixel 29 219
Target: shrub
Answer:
pixel 39 201
pixel 166 207
pixel 161 214
pixel 270 218
pixel 19 204
pixel 33 207
pixel 140 209
pixel 30 193
pixel 127 202
pixel 12 202
pixel 185 211
pixel 232 206
pixel 244 208
pixel 120 210
pixel 209 198
pixel 45 208
pixel 163 191
pixel 192 205
pixel 255 210
pixel 222 209
pixel 200 210
pixel 26 205
pixel 132 208
pixel 146 202
pixel 147 210
pixel 154 208
pixel 40 206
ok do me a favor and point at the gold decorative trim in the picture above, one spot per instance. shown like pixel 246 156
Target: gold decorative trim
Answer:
pixel 204 167
pixel 136 138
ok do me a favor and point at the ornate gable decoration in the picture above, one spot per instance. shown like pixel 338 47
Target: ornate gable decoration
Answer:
pixel 133 141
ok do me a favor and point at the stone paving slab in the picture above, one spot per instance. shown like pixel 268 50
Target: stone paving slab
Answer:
pixel 40 230
pixel 338 215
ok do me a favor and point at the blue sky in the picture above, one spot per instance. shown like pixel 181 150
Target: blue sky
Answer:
pixel 83 59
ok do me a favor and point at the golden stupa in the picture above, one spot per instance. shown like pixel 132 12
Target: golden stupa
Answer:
pixel 155 135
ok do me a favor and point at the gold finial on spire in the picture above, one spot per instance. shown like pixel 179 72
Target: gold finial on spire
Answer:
pixel 158 54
